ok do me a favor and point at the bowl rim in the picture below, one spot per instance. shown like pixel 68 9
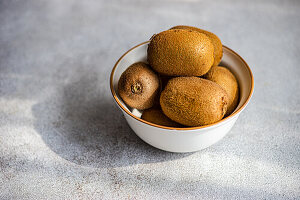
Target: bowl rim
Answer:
pixel 174 128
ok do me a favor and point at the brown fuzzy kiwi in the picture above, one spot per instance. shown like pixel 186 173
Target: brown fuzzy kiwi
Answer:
pixel 193 101
pixel 156 116
pixel 218 50
pixel 180 52
pixel 138 86
pixel 226 80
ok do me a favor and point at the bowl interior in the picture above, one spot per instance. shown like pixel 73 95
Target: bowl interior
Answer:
pixel 230 59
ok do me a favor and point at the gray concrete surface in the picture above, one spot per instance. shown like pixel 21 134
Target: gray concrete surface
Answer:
pixel 62 137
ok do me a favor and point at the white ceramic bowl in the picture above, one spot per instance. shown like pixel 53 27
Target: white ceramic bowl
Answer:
pixel 182 139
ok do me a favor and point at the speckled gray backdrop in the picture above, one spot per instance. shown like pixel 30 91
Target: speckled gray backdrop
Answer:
pixel 62 137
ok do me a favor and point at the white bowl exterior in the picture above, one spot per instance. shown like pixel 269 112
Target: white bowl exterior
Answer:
pixel 180 141
pixel 183 140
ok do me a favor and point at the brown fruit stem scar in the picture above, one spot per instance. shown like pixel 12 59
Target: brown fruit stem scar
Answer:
pixel 136 88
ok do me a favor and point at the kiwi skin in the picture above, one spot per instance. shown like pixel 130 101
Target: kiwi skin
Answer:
pixel 218 50
pixel 224 77
pixel 156 116
pixel 180 52
pixel 193 101
pixel 138 86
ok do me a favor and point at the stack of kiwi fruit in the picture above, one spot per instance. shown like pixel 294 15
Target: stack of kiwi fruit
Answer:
pixel 182 85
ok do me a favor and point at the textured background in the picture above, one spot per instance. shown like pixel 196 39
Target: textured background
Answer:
pixel 62 137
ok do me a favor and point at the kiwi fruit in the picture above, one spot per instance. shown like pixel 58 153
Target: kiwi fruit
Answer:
pixel 138 86
pixel 218 51
pixel 226 80
pixel 180 52
pixel 193 101
pixel 156 116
